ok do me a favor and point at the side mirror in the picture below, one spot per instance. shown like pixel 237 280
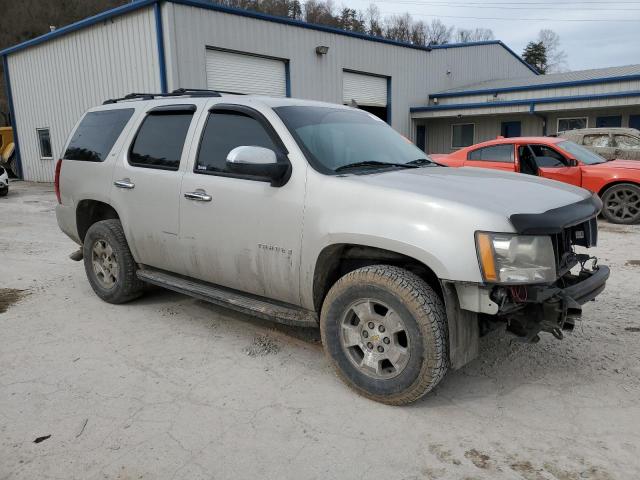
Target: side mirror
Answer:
pixel 572 162
pixel 259 162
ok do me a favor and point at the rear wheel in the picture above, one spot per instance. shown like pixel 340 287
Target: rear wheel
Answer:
pixel 621 204
pixel 108 262
pixel 384 330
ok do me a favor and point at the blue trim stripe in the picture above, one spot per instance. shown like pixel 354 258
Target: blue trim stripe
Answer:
pixel 160 40
pixel 137 4
pixel 101 17
pixel 530 101
pixel 541 86
pixel 12 112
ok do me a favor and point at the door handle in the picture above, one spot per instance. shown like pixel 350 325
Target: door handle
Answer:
pixel 198 196
pixel 124 183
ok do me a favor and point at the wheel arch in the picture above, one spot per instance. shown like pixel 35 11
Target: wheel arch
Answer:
pixel 90 211
pixel 336 260
pixel 616 182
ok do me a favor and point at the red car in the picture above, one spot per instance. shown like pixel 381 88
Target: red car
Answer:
pixel 617 182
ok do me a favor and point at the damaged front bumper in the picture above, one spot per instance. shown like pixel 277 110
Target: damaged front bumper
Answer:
pixel 531 309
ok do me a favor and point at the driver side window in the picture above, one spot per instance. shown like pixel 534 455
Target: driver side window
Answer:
pixel 547 157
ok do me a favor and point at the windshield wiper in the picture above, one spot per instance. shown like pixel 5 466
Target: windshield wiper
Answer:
pixel 422 161
pixel 373 163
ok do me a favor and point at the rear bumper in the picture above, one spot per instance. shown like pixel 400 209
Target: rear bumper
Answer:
pixel 66 217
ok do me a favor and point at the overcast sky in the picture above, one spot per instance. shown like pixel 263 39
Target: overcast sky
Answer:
pixel 593 33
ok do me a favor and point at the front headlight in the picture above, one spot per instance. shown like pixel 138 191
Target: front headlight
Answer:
pixel 514 259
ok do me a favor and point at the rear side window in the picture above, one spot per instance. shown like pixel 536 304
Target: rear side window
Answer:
pixel 98 131
pixel 596 141
pixel 496 153
pixel 226 130
pixel 160 140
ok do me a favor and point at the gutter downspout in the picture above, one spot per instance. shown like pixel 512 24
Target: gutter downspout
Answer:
pixel 157 11
pixel 12 113
pixel 532 111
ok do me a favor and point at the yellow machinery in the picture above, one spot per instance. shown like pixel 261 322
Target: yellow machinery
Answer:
pixel 7 147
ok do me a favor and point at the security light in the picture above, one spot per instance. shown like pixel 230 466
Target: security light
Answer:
pixel 322 49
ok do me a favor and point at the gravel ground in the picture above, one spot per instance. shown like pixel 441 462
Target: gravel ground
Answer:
pixel 170 387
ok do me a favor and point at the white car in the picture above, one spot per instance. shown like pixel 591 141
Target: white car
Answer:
pixel 314 214
pixel 4 182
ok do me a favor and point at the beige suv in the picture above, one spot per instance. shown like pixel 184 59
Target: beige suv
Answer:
pixel 610 143
pixel 314 214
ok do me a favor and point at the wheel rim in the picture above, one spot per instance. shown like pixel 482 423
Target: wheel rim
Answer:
pixel 105 264
pixel 375 339
pixel 623 204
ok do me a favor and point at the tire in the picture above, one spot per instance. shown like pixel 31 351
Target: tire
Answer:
pixel 108 262
pixel 382 295
pixel 4 192
pixel 621 204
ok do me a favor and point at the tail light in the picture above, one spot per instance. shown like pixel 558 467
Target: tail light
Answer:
pixel 56 184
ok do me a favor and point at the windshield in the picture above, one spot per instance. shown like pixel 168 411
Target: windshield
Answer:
pixel 582 154
pixel 336 139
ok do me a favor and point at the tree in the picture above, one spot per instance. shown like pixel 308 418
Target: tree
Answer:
pixel 352 20
pixel 398 27
pixel 556 58
pixel 373 22
pixel 464 35
pixel 438 33
pixel 535 54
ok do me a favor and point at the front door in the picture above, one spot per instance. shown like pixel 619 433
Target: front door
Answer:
pixel 546 162
pixel 146 186
pixel 237 231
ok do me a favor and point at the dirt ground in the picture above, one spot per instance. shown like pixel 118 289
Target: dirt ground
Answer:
pixel 168 387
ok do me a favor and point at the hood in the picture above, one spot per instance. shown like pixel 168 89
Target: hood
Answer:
pixel 625 164
pixel 503 193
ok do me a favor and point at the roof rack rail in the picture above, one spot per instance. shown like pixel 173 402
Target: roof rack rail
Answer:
pixel 180 92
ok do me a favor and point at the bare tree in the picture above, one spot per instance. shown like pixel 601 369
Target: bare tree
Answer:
pixel 398 27
pixel 438 33
pixel 419 33
pixel 464 35
pixel 556 58
pixel 373 21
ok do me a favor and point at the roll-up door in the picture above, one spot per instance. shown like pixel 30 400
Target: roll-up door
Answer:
pixel 240 73
pixel 366 90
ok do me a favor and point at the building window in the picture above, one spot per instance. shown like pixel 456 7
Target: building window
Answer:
pixel 462 135
pixel 565 124
pixel 44 140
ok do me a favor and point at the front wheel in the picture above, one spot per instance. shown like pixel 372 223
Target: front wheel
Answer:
pixel 384 329
pixel 108 262
pixel 621 204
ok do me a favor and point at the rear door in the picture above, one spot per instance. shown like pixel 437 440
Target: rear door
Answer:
pixel 500 157
pixel 550 163
pixel 146 184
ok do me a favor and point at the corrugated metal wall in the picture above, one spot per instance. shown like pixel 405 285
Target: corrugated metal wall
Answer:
pixel 414 73
pixel 489 126
pixel 55 82
pixel 486 128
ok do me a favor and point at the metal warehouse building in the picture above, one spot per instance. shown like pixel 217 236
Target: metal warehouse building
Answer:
pixel 154 45
pixel 161 45
pixel 542 105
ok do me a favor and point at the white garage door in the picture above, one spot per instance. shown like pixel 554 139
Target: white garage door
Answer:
pixel 366 90
pixel 239 73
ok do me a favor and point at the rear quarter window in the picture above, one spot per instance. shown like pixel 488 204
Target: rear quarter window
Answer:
pixel 97 133
pixel 495 153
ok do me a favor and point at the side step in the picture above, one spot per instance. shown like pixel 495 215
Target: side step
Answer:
pixel 225 297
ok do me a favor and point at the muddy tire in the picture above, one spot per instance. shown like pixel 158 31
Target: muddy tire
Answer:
pixel 384 329
pixel 108 262
pixel 621 204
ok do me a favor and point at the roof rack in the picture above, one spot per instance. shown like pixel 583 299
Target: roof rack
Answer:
pixel 180 92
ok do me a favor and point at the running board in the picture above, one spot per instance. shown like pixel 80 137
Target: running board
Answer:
pixel 225 297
